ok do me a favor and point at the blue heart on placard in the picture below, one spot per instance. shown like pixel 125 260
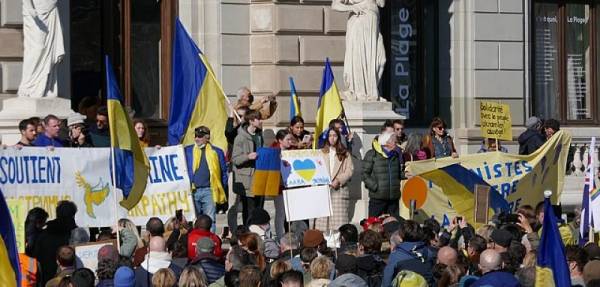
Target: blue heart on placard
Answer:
pixel 306 169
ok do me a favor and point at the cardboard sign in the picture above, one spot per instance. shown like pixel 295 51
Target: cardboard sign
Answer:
pixel 87 254
pixel 303 168
pixel 307 203
pixel 18 212
pixel 496 122
pixel 482 203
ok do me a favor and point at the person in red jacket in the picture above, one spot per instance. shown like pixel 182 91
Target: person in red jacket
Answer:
pixel 201 230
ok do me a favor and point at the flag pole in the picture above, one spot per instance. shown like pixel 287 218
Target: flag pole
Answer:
pixel 114 189
pixel 210 72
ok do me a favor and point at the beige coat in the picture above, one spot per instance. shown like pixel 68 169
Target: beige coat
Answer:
pixel 340 197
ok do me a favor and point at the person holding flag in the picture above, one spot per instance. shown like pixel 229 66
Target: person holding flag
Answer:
pixel 551 268
pixel 10 270
pixel 208 173
pixel 589 189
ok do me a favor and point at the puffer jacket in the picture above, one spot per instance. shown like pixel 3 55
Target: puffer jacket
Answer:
pixel 382 173
pixel 529 141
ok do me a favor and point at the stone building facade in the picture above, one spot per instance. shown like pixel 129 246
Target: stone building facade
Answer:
pixel 444 57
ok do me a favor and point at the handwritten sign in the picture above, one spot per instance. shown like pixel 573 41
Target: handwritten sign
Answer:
pixel 18 212
pixel 87 254
pixel 496 121
pixel 303 168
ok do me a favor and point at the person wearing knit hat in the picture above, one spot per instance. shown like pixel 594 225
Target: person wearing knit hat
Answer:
pixel 124 277
pixel 259 224
pixel 531 139
pixel 312 238
pixel 207 261
pixel 500 240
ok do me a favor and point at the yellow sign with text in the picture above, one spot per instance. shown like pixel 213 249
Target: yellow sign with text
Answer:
pixel 496 122
pixel 18 212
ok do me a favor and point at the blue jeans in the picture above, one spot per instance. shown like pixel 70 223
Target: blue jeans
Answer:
pixel 204 204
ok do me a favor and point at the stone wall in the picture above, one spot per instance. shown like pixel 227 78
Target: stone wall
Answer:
pixel 11 46
pixel 265 42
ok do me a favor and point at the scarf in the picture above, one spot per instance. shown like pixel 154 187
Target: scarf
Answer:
pixel 212 160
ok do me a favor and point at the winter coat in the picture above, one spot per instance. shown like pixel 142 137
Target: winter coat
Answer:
pixel 381 173
pixel 370 268
pixel 497 279
pixel 153 262
pixel 211 266
pixel 243 167
pixel 56 234
pixel 412 256
pixel 529 141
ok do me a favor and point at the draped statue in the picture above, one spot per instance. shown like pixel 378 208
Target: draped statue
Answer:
pixel 365 55
pixel 43 49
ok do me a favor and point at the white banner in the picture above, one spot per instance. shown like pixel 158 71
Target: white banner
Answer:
pixel 42 177
pixel 303 167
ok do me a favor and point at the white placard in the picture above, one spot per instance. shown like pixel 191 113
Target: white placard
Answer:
pixel 307 203
pixel 303 168
pixel 87 254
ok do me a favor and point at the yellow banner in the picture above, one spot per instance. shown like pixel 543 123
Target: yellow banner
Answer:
pixel 18 212
pixel 496 122
pixel 521 179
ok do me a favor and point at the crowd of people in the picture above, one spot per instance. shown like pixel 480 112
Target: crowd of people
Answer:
pixel 384 250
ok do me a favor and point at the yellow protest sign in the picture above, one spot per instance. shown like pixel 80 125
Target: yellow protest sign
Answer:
pixel 496 122
pixel 18 212
pixel 520 179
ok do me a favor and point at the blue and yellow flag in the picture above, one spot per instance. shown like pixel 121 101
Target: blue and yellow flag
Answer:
pixel 10 270
pixel 458 184
pixel 329 106
pixel 294 103
pixel 130 162
pixel 197 98
pixel 267 175
pixel 552 268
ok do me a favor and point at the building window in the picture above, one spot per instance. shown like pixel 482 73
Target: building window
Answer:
pixel 409 29
pixel 564 57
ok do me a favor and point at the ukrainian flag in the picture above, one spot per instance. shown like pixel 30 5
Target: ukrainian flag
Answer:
pixel 329 106
pixel 197 98
pixel 458 184
pixel 267 175
pixel 552 268
pixel 294 103
pixel 10 271
pixel 130 162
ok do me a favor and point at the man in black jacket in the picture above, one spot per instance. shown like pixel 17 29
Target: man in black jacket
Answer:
pixel 56 234
pixel 531 139
pixel 381 174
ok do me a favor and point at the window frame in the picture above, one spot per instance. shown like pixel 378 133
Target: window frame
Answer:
pixel 562 61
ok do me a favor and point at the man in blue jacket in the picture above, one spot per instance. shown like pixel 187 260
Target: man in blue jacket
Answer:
pixel 490 263
pixel 208 172
pixel 409 252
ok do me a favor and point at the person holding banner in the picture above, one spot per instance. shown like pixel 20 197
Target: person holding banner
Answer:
pixel 28 133
pixel 438 143
pixel 303 137
pixel 51 133
pixel 209 177
pixel 340 167
pixel 244 155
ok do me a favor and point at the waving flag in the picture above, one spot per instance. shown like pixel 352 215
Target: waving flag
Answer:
pixel 130 162
pixel 552 268
pixel 10 271
pixel 329 106
pixel 197 98
pixel 294 103
pixel 458 184
pixel 267 175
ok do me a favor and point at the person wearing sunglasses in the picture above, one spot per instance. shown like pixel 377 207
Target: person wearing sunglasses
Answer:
pixel 438 143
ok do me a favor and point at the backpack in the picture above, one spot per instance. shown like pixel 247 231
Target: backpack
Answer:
pixel 406 278
pixel 373 277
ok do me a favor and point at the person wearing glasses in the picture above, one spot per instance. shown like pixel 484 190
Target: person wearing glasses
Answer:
pixel 438 143
pixel 99 133
pixel 208 174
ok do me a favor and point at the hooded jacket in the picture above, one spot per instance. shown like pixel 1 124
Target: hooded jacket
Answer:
pixel 529 141
pixel 382 172
pixel 153 262
pixel 56 234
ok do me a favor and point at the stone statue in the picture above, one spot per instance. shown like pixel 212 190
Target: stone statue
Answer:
pixel 365 54
pixel 44 49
